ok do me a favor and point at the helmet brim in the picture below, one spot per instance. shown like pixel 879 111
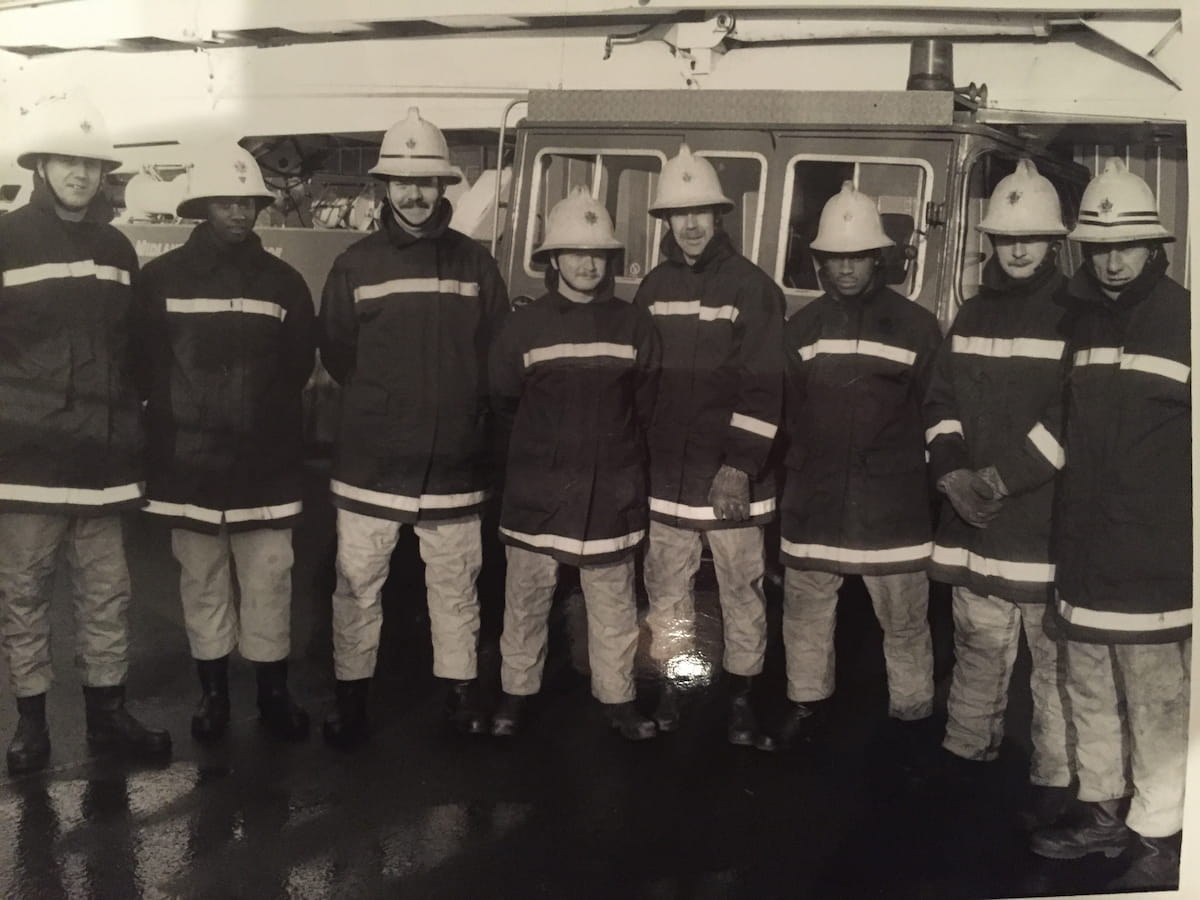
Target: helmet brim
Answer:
pixel 416 168
pixel 984 228
pixel 664 209
pixel 28 159
pixel 542 253
pixel 1095 234
pixel 196 207
pixel 865 247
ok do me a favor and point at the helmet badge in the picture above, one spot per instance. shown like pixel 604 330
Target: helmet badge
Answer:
pixel 1106 206
pixel 686 176
pixel 240 168
pixel 85 126
pixel 411 143
pixel 1014 197
pixel 590 217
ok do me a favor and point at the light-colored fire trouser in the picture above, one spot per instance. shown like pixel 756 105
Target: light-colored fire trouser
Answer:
pixel 611 605
pixel 1151 684
pixel 261 561
pixel 901 604
pixel 987 634
pixel 95 556
pixel 672 559
pixel 453 555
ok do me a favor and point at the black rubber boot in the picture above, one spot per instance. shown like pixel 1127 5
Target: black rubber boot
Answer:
pixel 280 715
pixel 1100 830
pixel 1045 807
pixel 625 718
pixel 30 747
pixel 211 717
pixel 510 711
pixel 112 729
pixel 464 710
pixel 1155 865
pixel 796 726
pixel 666 712
pixel 743 724
pixel 346 728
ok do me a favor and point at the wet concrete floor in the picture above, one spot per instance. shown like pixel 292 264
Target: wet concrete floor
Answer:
pixel 566 809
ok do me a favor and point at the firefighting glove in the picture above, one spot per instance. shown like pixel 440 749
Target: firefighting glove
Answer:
pixel 994 481
pixel 730 494
pixel 972 497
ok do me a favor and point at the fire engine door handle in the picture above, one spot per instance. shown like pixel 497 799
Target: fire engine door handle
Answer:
pixel 935 213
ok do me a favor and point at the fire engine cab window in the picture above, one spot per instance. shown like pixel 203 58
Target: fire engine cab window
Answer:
pixel 985 174
pixel 623 181
pixel 899 190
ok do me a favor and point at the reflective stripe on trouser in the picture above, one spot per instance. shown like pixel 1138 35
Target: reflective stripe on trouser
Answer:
pixel 1151 682
pixel 262 563
pixel 453 554
pixel 612 623
pixel 902 606
pixel 987 633
pixel 95 557
pixel 672 559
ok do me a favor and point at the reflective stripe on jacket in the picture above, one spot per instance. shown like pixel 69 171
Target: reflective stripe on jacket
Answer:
pixel 1123 536
pixel 581 377
pixel 720 389
pixel 231 343
pixel 70 430
pixel 857 495
pixel 995 400
pixel 406 323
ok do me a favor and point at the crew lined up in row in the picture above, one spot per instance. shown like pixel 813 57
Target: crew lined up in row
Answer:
pixel 613 425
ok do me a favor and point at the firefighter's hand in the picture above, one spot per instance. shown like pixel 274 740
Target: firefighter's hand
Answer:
pixel 972 497
pixel 730 494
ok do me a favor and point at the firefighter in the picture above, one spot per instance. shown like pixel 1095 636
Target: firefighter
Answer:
pixel 1123 536
pixel 575 373
pixel 993 421
pixel 70 438
pixel 229 338
pixel 407 316
pixel 856 499
pixel 718 317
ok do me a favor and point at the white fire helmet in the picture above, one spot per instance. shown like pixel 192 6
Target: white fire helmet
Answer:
pixel 687 181
pixel 414 148
pixel 850 223
pixel 1023 203
pixel 66 126
pixel 1117 206
pixel 577 222
pixel 224 170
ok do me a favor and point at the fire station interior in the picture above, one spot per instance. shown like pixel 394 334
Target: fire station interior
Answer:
pixel 566 809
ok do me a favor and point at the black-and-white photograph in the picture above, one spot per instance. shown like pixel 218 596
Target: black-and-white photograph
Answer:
pixel 633 449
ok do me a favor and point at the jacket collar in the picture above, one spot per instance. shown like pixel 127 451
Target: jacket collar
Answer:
pixel 400 235
pixel 604 294
pixel 719 248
